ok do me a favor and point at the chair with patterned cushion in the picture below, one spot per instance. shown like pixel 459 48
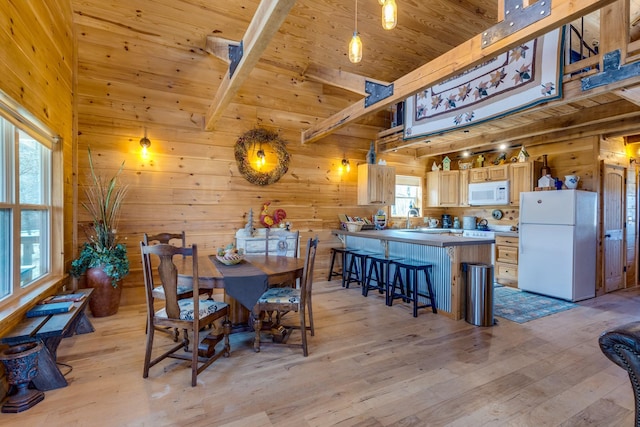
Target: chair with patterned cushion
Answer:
pixel 189 314
pixel 289 299
pixel 184 289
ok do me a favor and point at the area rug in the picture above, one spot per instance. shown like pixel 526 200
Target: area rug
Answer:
pixel 520 306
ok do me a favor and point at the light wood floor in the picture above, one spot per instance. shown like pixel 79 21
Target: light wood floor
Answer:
pixel 369 365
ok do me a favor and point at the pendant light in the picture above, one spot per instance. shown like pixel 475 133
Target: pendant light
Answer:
pixel 389 14
pixel 355 45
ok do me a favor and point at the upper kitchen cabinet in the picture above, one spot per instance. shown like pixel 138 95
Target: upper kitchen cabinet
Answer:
pixel 490 173
pixel 376 184
pixel 522 177
pixel 464 187
pixel 443 188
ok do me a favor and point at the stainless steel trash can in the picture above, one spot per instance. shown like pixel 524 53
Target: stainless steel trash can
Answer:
pixel 479 294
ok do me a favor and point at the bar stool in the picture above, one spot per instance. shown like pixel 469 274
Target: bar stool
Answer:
pixel 378 267
pixel 408 288
pixel 355 260
pixel 334 252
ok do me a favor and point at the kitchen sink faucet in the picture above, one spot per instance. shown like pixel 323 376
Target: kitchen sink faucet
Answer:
pixel 412 212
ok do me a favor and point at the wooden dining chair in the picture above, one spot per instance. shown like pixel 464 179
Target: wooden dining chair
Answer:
pixel 188 314
pixel 290 299
pixel 184 289
pixel 165 238
pixel 285 239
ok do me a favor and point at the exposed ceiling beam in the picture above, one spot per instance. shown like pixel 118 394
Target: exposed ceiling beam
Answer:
pixel 264 25
pixel 453 62
pixel 630 94
pixel 219 47
pixel 343 79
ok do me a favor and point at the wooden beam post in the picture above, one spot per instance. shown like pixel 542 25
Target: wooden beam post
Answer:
pixel 264 25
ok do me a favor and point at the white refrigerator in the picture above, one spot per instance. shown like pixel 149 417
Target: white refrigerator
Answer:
pixel 557 253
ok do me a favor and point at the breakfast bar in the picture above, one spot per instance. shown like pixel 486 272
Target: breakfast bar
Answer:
pixel 445 251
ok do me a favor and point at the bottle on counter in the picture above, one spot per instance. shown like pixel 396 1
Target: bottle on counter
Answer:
pixel 545 169
pixel 456 223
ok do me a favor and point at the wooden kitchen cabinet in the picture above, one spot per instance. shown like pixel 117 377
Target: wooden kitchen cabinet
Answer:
pixel 522 177
pixel 376 184
pixel 443 188
pixel 507 261
pixel 463 181
pixel 490 173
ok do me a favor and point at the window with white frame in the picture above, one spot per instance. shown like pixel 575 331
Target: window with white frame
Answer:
pixel 408 195
pixel 25 210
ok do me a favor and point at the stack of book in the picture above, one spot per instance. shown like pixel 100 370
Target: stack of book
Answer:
pixel 55 304
pixel 64 298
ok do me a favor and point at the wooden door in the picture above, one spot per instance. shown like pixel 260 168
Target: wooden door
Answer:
pixel 613 224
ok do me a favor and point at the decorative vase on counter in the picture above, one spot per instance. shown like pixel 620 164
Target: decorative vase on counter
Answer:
pixel 571 181
pixel 371 154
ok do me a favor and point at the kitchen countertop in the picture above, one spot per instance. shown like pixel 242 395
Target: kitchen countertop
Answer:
pixel 417 236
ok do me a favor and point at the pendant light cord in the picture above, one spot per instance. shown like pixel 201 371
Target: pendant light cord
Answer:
pixel 355 18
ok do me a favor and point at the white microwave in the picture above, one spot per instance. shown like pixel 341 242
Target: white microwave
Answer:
pixel 489 193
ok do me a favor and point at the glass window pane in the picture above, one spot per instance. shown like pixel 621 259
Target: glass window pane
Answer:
pixel 34 259
pixel 5 253
pixel 6 165
pixel 31 170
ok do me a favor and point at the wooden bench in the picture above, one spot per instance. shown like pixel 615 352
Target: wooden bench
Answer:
pixel 50 330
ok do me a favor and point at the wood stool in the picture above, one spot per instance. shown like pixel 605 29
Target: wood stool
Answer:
pixel 334 252
pixel 378 266
pixel 355 260
pixel 409 286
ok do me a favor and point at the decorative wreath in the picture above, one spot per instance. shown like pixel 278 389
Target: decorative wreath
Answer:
pixel 256 137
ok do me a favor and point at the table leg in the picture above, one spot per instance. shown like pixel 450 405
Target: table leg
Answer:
pixel 49 376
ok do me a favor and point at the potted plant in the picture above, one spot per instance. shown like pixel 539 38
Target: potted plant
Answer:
pixel 102 258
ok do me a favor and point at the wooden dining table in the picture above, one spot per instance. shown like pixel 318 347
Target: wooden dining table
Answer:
pixel 278 269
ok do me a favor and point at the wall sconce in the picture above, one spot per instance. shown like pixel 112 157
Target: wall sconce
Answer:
pixel 261 156
pixel 346 165
pixel 145 143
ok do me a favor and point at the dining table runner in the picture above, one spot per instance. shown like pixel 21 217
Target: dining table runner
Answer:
pixel 243 281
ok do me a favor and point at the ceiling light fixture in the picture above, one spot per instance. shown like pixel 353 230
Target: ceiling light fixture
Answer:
pixel 355 45
pixel 389 14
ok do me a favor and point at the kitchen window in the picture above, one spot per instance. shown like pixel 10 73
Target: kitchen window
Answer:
pixel 25 210
pixel 408 195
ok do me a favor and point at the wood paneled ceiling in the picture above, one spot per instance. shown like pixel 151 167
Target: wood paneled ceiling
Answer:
pixel 313 40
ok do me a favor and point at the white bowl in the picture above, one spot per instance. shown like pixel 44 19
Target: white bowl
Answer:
pixel 230 259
